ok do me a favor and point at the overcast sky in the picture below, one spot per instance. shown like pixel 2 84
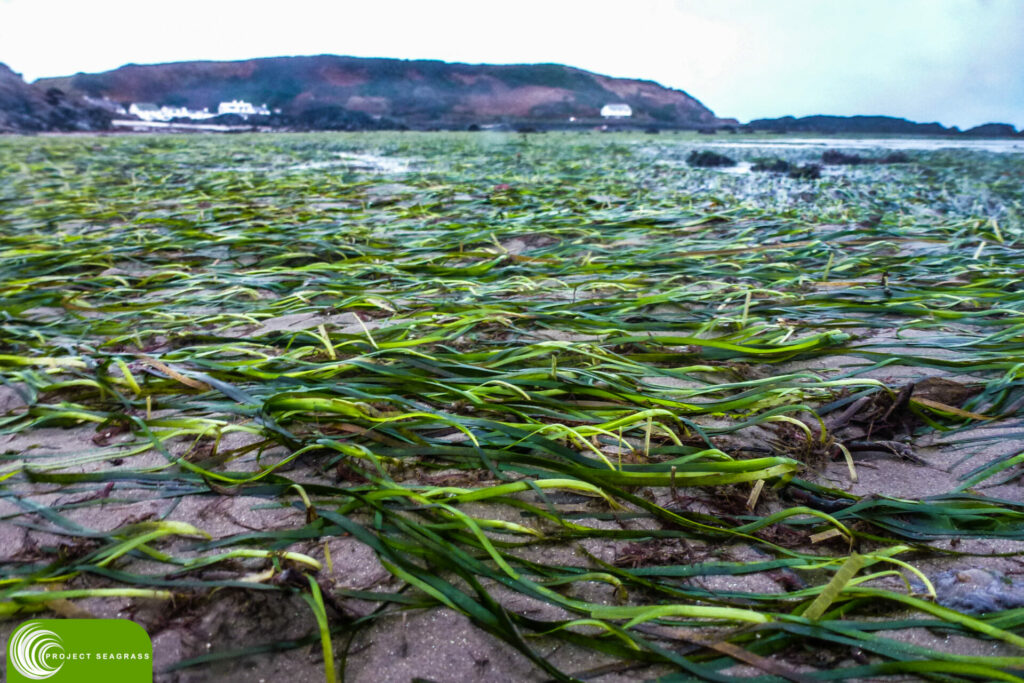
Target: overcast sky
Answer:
pixel 960 62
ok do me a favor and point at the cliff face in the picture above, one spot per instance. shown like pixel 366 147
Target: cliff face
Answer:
pixel 24 108
pixel 419 92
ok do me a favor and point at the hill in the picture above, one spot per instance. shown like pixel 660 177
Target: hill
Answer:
pixel 871 125
pixel 411 92
pixel 24 108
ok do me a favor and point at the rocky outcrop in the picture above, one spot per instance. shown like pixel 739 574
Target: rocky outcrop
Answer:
pixel 993 130
pixel 24 108
pixel 871 125
pixel 708 159
pixel 835 157
pixel 830 125
pixel 418 93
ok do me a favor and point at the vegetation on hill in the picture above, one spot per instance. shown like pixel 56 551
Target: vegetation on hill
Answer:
pixel 27 109
pixel 414 92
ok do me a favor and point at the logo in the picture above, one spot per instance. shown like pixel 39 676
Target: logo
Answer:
pixel 29 648
pixel 59 650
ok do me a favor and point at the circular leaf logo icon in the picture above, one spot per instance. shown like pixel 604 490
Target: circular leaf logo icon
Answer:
pixel 28 649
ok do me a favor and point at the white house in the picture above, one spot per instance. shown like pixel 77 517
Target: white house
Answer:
pixel 616 111
pixel 145 111
pixel 242 108
pixel 168 113
pixel 150 112
pixel 198 115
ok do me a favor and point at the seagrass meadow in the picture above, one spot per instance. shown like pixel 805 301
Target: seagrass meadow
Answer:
pixel 459 407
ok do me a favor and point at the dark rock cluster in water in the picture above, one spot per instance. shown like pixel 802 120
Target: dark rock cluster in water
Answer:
pixel 798 171
pixel 976 591
pixel 834 157
pixel 708 159
pixel 775 165
pixel 805 171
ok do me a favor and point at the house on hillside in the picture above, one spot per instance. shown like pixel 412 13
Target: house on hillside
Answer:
pixel 167 113
pixel 198 115
pixel 242 108
pixel 150 112
pixel 616 111
pixel 147 111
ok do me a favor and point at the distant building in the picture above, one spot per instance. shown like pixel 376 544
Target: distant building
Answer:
pixel 616 111
pixel 147 111
pixel 197 115
pixel 150 112
pixel 168 113
pixel 242 108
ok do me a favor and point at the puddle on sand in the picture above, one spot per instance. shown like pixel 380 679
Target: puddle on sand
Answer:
pixel 364 162
pixel 740 167
pixel 372 163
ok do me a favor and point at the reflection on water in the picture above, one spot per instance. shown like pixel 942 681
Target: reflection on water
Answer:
pixel 363 162
pixel 369 163
pixel 740 167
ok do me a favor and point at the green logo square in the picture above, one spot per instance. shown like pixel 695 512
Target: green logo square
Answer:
pixel 111 650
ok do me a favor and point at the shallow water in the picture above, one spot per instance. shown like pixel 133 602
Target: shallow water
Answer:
pixel 372 163
pixel 740 167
